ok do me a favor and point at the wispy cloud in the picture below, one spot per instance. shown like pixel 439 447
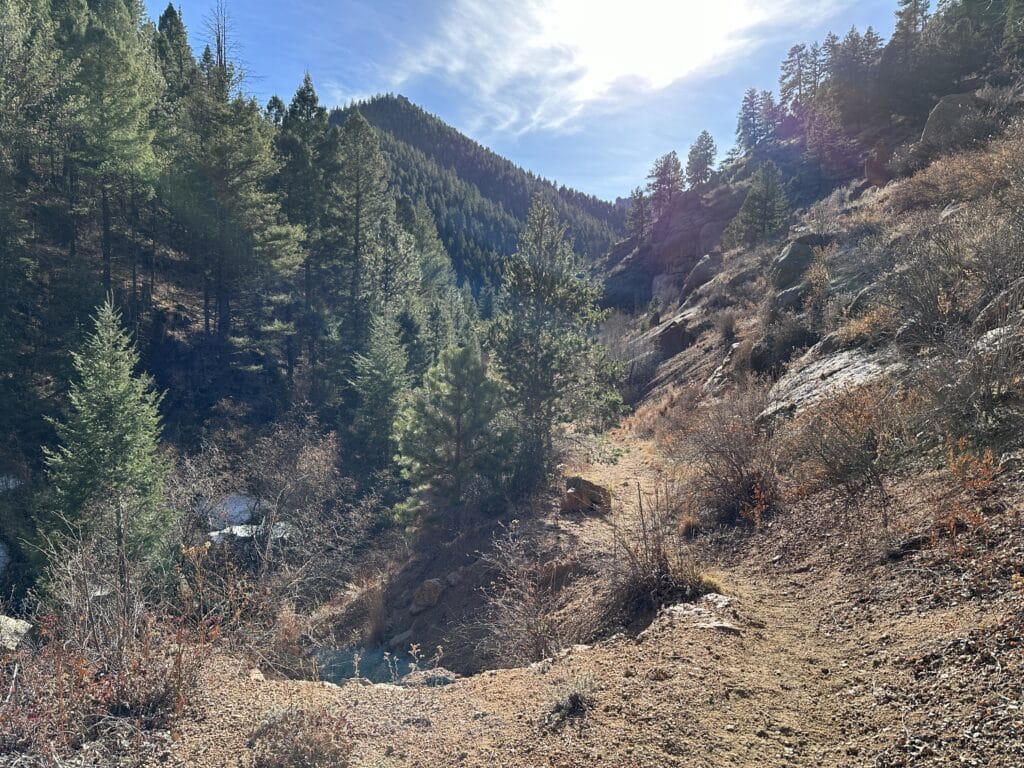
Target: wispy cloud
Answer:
pixel 529 65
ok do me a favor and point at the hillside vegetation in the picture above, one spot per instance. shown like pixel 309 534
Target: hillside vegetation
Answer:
pixel 320 449
pixel 479 199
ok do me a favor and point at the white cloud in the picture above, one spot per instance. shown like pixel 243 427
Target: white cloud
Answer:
pixel 539 64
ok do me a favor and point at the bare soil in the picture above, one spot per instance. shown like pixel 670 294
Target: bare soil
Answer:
pixel 836 648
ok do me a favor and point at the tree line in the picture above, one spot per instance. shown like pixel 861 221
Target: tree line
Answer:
pixel 259 254
pixel 837 100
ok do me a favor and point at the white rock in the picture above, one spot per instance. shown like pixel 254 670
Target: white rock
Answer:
pixel 12 632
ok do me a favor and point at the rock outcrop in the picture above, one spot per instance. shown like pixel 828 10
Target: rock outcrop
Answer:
pixel 426 595
pixel 702 272
pixel 949 115
pixel 789 266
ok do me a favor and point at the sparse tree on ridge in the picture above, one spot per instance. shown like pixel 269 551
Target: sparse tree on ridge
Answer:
pixel 700 162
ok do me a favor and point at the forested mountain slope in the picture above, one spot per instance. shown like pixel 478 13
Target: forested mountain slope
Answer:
pixel 479 199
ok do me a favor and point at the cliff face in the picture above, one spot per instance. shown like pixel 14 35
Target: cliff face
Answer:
pixel 636 273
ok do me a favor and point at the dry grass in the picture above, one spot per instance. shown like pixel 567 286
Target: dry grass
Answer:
pixel 850 440
pixel 300 738
pixel 651 567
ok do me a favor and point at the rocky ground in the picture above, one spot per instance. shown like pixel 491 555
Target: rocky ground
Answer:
pixel 850 652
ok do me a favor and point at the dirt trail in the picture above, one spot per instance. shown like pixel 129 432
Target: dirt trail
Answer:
pixel 774 679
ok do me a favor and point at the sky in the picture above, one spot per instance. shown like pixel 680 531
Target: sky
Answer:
pixel 586 93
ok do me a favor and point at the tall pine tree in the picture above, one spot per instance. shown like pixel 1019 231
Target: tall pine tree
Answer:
pixel 544 349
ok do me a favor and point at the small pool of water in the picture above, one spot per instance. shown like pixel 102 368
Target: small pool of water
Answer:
pixel 336 665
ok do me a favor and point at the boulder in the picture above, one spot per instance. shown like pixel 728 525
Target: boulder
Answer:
pixel 813 377
pixel 426 595
pixel 702 271
pixel 716 382
pixel 947 116
pixel 672 338
pixel 582 495
pixel 790 298
pixel 12 632
pixel 789 266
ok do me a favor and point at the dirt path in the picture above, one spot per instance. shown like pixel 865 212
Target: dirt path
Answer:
pixel 770 679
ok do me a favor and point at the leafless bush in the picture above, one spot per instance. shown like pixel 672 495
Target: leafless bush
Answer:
pixel 263 578
pixel 108 662
pixel 650 568
pixel 824 215
pixel 301 738
pixel 639 359
pixel 519 621
pixel 725 324
pixel 851 440
pixel 734 454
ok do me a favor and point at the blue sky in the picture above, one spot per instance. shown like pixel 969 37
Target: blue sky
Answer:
pixel 585 92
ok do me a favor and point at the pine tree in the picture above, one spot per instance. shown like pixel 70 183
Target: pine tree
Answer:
pixel 665 185
pixel 638 218
pixel 770 115
pixel 107 470
pixel 795 79
pixel 177 62
pixel 446 436
pixel 357 202
pixel 749 130
pixel 700 162
pixel 765 209
pixel 301 185
pixel 552 369
pixel 380 379
pixel 117 87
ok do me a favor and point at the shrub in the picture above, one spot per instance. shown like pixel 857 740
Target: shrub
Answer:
pixel 877 323
pixel 302 738
pixel 725 324
pixel 108 664
pixel 850 440
pixel 519 624
pixel 650 568
pixel 734 454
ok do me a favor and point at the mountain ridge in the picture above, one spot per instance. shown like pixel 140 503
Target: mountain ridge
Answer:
pixel 432 161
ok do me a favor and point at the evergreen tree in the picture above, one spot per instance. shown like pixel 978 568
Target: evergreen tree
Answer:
pixel 795 78
pixel 117 87
pixel 638 218
pixel 665 185
pixel 552 369
pixel 770 115
pixel 107 470
pixel 749 129
pixel 700 162
pixel 357 202
pixel 380 379
pixel 177 62
pixel 446 436
pixel 765 209
pixel 301 185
